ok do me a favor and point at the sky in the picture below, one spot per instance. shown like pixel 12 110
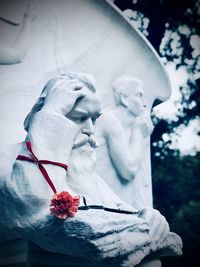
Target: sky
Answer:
pixel 187 140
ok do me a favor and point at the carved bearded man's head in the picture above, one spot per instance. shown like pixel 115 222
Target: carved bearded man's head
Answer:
pixel 84 114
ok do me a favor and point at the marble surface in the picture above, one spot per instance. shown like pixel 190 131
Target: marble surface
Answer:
pixel 98 235
pixel 60 45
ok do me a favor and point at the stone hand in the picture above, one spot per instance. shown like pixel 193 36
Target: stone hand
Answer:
pixel 159 228
pixel 145 125
pixel 95 235
pixel 62 97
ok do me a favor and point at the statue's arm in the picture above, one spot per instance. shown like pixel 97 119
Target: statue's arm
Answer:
pixel 52 136
pixel 123 152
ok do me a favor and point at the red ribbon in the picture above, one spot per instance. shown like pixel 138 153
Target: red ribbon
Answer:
pixel 40 163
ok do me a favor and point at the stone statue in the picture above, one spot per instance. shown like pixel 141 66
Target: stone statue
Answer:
pixel 15 32
pixel 60 129
pixel 122 138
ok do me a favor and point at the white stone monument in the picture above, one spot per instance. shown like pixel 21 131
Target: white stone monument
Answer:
pixel 105 229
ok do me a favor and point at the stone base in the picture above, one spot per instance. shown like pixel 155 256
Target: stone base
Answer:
pixel 22 253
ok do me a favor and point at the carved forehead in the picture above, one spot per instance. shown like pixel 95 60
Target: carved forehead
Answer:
pixel 90 103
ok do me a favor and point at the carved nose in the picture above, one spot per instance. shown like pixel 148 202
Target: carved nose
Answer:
pixel 88 127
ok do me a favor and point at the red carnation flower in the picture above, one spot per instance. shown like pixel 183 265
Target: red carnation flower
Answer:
pixel 64 205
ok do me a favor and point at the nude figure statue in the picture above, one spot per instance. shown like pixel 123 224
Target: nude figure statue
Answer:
pixel 122 134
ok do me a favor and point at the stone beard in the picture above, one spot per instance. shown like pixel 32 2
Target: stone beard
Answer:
pixel 82 161
pixel 81 174
pixel 82 177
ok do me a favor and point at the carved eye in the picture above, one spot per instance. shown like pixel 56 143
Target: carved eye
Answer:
pixel 84 118
pixel 78 119
pixel 96 117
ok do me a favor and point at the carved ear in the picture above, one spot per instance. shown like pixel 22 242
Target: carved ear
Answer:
pixel 124 100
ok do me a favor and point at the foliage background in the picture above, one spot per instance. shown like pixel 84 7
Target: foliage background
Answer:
pixel 173 29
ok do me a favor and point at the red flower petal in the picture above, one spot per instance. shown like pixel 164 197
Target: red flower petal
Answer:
pixel 64 205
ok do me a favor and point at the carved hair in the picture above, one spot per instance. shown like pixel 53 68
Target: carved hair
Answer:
pixel 124 85
pixel 87 79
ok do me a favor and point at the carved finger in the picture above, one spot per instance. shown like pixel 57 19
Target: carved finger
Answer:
pixel 160 233
pixel 163 236
pixel 155 226
pixel 70 85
